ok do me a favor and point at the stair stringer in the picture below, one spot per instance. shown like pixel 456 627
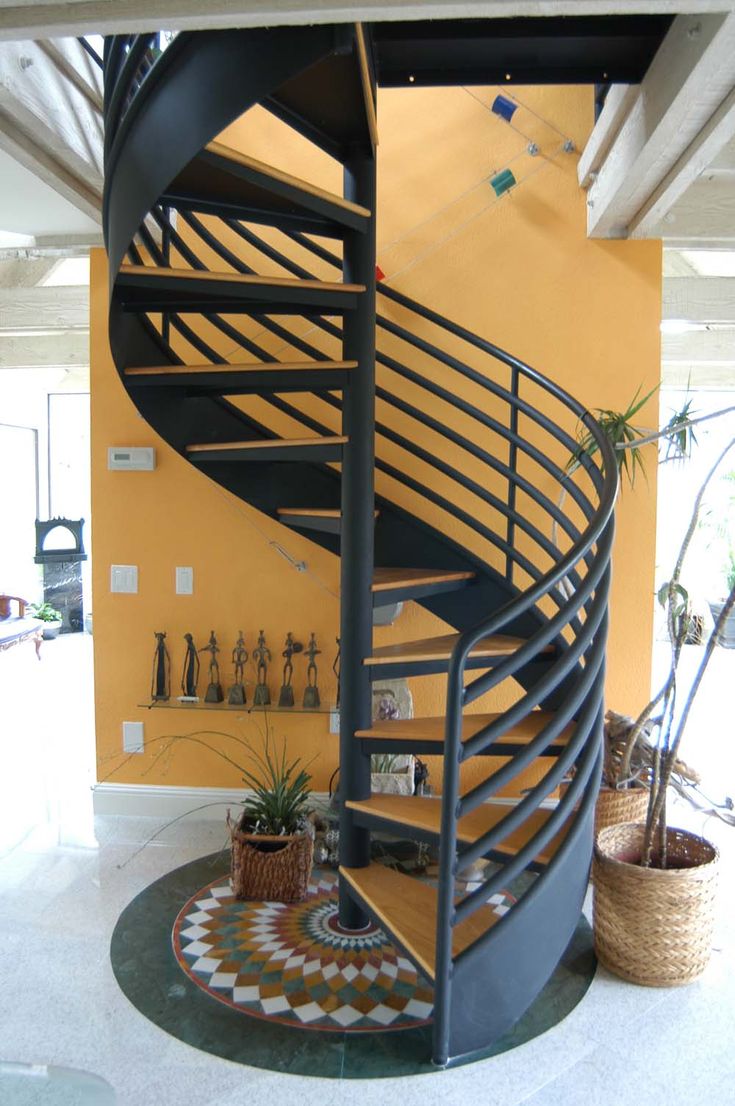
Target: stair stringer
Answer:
pixel 493 985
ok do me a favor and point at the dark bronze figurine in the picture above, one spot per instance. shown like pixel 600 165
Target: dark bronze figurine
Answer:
pixel 214 691
pixel 285 699
pixel 240 655
pixel 190 676
pixel 262 655
pixel 161 681
pixel 311 691
pixel 336 668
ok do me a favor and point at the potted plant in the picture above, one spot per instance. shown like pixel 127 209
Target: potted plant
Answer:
pixel 273 839
pixel 726 635
pixel 392 773
pixel 50 617
pixel 273 834
pixel 654 885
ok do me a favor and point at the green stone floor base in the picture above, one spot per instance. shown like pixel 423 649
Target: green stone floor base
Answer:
pixel 148 973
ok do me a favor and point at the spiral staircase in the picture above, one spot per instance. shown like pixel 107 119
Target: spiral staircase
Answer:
pixel 436 466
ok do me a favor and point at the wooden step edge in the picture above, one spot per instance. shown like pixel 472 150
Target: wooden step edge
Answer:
pixel 406 811
pixel 432 729
pixel 314 512
pixel 220 150
pixel 268 443
pixel 366 83
pixel 388 579
pixel 160 273
pixel 264 366
pixel 440 649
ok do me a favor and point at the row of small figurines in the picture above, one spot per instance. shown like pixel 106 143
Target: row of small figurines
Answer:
pixel 261 656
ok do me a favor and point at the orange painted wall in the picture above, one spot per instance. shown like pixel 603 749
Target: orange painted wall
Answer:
pixel 519 272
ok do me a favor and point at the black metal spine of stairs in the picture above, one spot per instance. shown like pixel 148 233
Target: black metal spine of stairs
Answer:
pixel 453 469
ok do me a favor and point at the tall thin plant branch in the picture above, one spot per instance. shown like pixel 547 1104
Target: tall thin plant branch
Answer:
pixel 658 806
pixel 669 738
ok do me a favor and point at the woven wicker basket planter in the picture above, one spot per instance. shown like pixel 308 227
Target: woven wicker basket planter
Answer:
pixel 653 926
pixel 614 806
pixel 270 869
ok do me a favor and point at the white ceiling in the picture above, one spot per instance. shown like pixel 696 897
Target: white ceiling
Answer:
pixel 29 206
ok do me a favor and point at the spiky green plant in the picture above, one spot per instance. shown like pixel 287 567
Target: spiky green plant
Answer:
pixel 280 789
pixel 678 436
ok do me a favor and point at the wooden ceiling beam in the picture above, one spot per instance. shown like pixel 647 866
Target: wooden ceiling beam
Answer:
pixel 38 351
pixel 699 347
pixel 29 309
pixel 690 77
pixel 707 300
pixel 39 19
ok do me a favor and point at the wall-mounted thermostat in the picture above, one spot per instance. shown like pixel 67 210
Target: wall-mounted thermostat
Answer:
pixel 128 458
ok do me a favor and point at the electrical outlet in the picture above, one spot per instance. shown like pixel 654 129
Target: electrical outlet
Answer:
pixel 184 581
pixel 334 721
pixel 132 734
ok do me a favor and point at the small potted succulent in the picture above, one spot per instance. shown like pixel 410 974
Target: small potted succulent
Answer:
pixel 273 838
pixel 50 617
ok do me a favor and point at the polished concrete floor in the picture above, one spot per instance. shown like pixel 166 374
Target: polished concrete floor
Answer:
pixel 65 878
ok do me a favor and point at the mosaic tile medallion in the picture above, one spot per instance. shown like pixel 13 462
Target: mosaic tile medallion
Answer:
pixel 291 962
pixel 198 1005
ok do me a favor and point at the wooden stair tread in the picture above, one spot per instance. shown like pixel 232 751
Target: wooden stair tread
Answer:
pixel 220 150
pixel 386 579
pixel 407 908
pixel 314 512
pixel 267 443
pixel 149 272
pixel 425 814
pixel 432 729
pixel 258 366
pixel 440 649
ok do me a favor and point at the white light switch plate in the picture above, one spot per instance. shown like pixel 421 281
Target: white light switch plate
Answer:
pixel 184 581
pixel 132 737
pixel 334 721
pixel 124 578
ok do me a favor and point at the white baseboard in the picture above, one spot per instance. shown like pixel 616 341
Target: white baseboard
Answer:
pixel 202 803
pixel 147 801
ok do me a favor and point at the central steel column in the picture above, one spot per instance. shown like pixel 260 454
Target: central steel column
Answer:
pixel 358 504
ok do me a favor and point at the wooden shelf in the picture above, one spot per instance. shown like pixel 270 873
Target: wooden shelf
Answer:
pixel 248 708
